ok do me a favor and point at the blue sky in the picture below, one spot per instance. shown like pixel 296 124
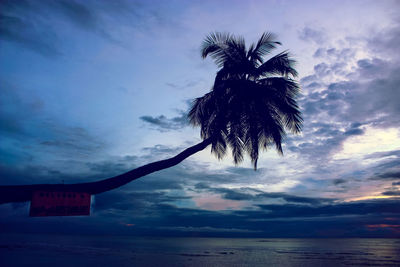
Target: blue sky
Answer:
pixel 91 89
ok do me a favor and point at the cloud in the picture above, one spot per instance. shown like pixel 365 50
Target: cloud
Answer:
pixel 89 17
pixel 388 175
pixel 133 200
pixel 384 42
pixel 351 208
pixel 71 140
pixel 163 204
pixel 18 25
pixel 347 93
pixel 185 85
pixel 162 123
pixel 338 181
pixel 352 88
pixel 24 124
pixel 21 32
pixel 354 131
pixel 78 13
pixel 15 110
pixel 256 196
pixel 40 26
pixel 310 34
pixel 393 153
pixel 152 214
pixel 391 193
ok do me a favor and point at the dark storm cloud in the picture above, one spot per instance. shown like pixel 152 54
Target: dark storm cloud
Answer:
pixel 163 123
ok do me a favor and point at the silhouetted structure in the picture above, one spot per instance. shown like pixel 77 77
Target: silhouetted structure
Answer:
pixel 249 108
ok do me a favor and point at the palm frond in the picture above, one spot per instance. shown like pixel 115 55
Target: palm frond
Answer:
pixel 227 50
pixel 280 64
pixel 282 94
pixel 213 42
pixel 218 145
pixel 216 45
pixel 265 44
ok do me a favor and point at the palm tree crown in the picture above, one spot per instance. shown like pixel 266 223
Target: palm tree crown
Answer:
pixel 252 102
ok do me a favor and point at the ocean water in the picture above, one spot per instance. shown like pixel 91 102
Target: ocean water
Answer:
pixel 64 250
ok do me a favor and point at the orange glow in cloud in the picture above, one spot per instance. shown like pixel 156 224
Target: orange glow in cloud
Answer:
pixel 215 202
pixel 368 197
pixel 383 225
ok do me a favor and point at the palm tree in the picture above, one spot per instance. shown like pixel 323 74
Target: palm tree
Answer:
pixel 252 101
pixel 251 105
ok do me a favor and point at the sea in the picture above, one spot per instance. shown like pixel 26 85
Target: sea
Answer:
pixel 113 251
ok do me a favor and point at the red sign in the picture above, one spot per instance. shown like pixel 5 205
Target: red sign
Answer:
pixel 45 203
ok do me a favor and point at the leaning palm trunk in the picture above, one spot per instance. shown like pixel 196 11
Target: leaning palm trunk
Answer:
pixel 21 193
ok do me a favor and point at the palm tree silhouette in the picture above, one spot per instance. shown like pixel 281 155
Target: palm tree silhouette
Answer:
pixel 252 101
pixel 250 106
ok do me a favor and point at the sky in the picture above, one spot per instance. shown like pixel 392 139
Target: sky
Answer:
pixel 91 89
